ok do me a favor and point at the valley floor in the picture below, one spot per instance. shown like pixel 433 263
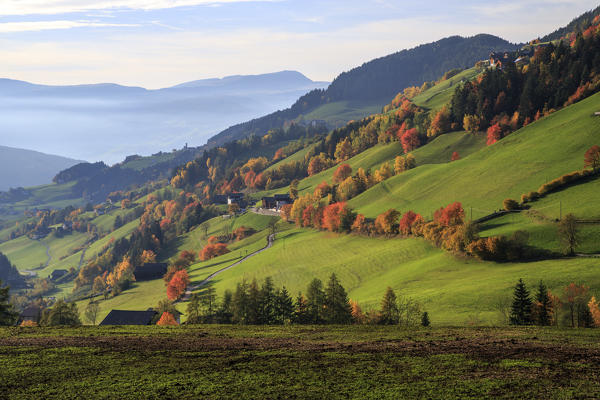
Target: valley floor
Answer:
pixel 242 362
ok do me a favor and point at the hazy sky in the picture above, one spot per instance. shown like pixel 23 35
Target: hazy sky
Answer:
pixel 157 43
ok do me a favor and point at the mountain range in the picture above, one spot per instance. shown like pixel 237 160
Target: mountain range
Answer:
pixel 108 122
pixel 20 167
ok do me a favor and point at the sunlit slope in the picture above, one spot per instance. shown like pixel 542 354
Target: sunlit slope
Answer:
pixel 515 165
pixel 452 289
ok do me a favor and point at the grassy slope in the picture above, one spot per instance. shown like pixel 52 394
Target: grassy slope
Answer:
pixel 517 164
pixel 436 97
pixel 340 112
pixel 452 289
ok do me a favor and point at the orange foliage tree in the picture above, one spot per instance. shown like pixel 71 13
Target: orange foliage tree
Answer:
pixel 595 311
pixel 341 173
pixel 213 250
pixel 148 256
pixel 337 217
pixel 494 133
pixel 178 284
pixel 455 156
pixel 167 319
pixel 387 222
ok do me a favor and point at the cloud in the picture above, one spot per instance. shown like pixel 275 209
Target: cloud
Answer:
pixel 29 7
pixel 11 27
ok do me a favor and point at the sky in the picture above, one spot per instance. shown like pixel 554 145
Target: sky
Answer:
pixel 159 43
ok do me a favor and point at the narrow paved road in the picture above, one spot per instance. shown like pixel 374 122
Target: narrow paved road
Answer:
pixel 190 289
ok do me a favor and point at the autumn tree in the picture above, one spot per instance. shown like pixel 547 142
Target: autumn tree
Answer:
pixel 591 158
pixel 575 300
pixel 440 123
pixel 389 313
pixel 384 172
pixel 148 256
pixel 407 221
pixel 494 133
pixel 294 189
pixel 167 319
pixel 357 314
pixel 387 222
pixel 343 150
pixel 323 189
pixel 471 123
pixel 337 217
pixel 404 163
pixel 520 313
pixel 213 250
pixel 178 284
pixel 341 173
pixel 452 214
pixel 360 224
pixel 410 140
pixel 455 156
pixel 594 311
pixel 568 233
pixel 347 189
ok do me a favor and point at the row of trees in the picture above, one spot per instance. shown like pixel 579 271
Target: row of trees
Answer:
pixel 251 304
pixel 578 308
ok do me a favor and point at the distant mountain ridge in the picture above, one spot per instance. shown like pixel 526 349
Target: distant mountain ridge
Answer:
pixel 24 168
pixel 108 121
pixel 379 80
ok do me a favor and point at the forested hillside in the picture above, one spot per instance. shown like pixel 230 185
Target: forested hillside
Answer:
pixel 377 81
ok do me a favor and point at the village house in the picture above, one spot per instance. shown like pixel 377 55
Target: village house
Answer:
pixel 58 273
pixel 276 201
pixel 150 271
pixel 235 198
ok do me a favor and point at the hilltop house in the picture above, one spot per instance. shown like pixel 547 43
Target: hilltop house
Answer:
pixel 500 59
pixel 150 271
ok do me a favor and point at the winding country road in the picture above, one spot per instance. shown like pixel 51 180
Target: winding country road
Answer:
pixel 190 289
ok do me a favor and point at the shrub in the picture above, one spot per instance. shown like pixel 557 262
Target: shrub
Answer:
pixel 510 205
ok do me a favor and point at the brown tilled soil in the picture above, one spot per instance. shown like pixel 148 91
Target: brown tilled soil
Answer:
pixel 489 349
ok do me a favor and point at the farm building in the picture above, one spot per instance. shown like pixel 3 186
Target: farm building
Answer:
pixel 150 271
pixel 129 317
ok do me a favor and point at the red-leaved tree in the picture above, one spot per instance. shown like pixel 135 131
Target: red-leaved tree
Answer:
pixel 494 133
pixel 408 220
pixel 452 214
pixel 178 284
pixel 455 156
pixel 410 140
pixel 591 158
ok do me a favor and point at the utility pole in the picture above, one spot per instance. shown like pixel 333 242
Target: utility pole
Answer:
pixel 560 208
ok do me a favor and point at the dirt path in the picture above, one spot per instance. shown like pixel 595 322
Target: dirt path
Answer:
pixel 82 257
pixel 190 289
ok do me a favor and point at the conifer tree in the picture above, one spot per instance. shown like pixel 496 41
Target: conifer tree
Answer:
pixel 301 310
pixel 337 306
pixel 389 313
pixel 224 313
pixel 7 315
pixel 543 306
pixel 520 313
pixel 208 301
pixel 425 319
pixel 253 313
pixel 193 310
pixel 284 306
pixel 267 302
pixel 239 304
pixel 315 301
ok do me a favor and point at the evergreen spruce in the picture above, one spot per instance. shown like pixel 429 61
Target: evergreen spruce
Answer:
pixel 520 313
pixel 267 303
pixel 284 306
pixel 7 314
pixel 193 310
pixel 425 319
pixel 337 305
pixel 224 312
pixel 543 306
pixel 389 313
pixel 239 304
pixel 253 313
pixel 315 301
pixel 301 310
